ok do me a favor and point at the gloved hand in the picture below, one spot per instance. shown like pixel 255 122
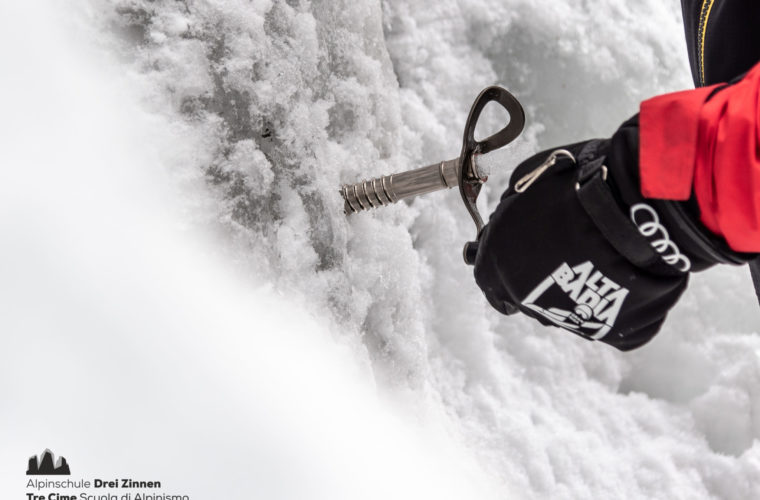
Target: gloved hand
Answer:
pixel 574 244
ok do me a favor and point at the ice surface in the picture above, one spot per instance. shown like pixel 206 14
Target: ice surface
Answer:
pixel 152 198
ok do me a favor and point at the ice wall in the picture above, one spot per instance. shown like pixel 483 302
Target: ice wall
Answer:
pixel 301 96
pixel 275 103
pixel 132 342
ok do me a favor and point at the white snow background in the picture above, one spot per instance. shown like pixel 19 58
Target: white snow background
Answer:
pixel 182 298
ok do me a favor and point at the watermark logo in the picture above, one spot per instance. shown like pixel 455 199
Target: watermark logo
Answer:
pixel 47 465
pixel 65 487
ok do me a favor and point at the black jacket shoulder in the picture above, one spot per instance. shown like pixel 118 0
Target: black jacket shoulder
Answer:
pixel 722 37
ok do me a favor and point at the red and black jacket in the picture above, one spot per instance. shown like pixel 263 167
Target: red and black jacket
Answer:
pixel 701 147
pixel 690 160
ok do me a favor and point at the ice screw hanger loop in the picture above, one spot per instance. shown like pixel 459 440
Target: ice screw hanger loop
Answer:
pixel 470 182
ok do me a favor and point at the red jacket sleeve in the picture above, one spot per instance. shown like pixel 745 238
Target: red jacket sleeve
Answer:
pixel 689 140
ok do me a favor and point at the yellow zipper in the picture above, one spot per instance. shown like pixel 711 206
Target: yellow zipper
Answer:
pixel 704 16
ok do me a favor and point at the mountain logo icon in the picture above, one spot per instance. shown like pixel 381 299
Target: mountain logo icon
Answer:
pixel 46 465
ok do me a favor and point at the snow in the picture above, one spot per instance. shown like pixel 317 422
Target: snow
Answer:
pixel 182 296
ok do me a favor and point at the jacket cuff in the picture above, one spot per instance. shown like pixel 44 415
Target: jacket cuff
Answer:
pixel 668 128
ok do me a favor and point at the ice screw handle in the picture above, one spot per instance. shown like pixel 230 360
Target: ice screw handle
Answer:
pixel 469 180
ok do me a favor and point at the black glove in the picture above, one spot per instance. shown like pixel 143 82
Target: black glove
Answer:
pixel 574 244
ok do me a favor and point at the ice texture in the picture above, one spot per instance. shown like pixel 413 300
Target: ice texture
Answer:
pixel 177 256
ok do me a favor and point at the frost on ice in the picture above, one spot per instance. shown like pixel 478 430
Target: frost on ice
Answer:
pixel 271 105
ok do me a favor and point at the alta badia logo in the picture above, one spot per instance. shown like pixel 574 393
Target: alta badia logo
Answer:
pixel 580 299
pixel 47 465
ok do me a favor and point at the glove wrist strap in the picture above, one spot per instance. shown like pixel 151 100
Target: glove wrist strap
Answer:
pixel 597 199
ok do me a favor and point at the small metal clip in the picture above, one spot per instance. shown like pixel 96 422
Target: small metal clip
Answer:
pixel 604 171
pixel 528 179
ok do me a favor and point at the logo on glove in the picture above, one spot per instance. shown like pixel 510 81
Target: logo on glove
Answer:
pixel 583 301
pixel 648 222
